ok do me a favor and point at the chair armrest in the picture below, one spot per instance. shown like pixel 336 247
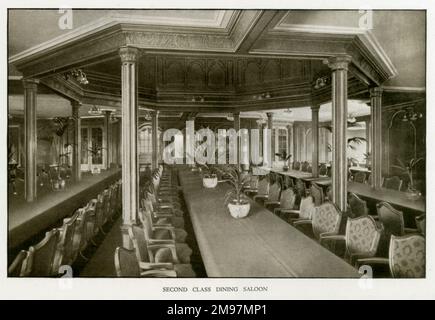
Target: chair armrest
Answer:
pixel 168 228
pixel 410 230
pixel 302 222
pixel 159 273
pixel 261 196
pixel 372 261
pixel 267 203
pixel 160 265
pixel 161 241
pixel 291 211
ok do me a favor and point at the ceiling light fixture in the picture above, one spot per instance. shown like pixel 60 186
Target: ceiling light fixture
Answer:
pixel 78 75
pixel 321 82
pixel 95 111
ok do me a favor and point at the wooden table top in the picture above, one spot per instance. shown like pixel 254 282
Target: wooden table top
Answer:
pixel 31 218
pixel 293 173
pixel 260 245
pixel 394 197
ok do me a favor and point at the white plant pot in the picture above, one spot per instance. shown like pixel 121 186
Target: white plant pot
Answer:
pixel 239 211
pixel 210 182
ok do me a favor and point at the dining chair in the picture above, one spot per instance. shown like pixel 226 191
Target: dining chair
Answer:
pixel 358 207
pixel 273 196
pixel 300 188
pixel 305 166
pixel 18 266
pixel 394 183
pixel 64 252
pixel 165 216
pixel 359 177
pixel 252 186
pixel 323 170
pixel 406 257
pixel 157 256
pixel 263 187
pixel 180 250
pixel 162 230
pixel 41 256
pixel 305 211
pixel 420 222
pixel 325 221
pixel 361 238
pixel 286 201
pixel 317 193
pixel 127 265
pixel 296 165
pixel 392 220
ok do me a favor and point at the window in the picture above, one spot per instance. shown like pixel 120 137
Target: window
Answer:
pixel 145 144
pixel 282 141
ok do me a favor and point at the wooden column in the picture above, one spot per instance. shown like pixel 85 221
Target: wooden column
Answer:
pixel 295 144
pixel 108 132
pixel 130 186
pixel 289 143
pixel 77 142
pixel 368 137
pixel 30 142
pixel 236 116
pixel 339 67
pixel 272 141
pixel 155 138
pixel 376 136
pixel 315 140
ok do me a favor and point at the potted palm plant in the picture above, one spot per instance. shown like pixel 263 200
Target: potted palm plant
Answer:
pixel 412 193
pixel 237 202
pixel 286 158
pixel 209 177
pixel 96 152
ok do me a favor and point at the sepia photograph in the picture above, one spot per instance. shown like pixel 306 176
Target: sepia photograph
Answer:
pixel 261 144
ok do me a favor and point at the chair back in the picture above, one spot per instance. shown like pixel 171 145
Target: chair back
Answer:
pixel 263 186
pixel 146 220
pixel 80 238
pixel 309 169
pixel 126 263
pixel 420 222
pixel 18 266
pixel 274 192
pixel 323 170
pixel 99 211
pixel 300 188
pixel 305 166
pixel 306 208
pixel 296 165
pixel 65 249
pixel 326 219
pixel 391 219
pixel 362 236
pixel 287 199
pixel 359 177
pixel 394 183
pixel 407 256
pixel 41 256
pixel 329 193
pixel 253 182
pixel 140 245
pixel 358 207
pixel 317 194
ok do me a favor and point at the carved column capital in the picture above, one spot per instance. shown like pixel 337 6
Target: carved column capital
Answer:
pixel 375 92
pixel 338 62
pixel 129 54
pixel 30 83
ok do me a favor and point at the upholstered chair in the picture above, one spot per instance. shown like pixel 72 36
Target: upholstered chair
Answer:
pixel 127 265
pixel 64 252
pixel 41 256
pixel 305 212
pixel 359 177
pixel 392 220
pixel 286 201
pixel 273 196
pixel 300 188
pixel 162 216
pixel 263 188
pixel 420 222
pixel 317 193
pixel 17 267
pixel 361 238
pixel 252 186
pixel 406 257
pixel 323 170
pixel 325 221
pixel 358 207
pixel 305 166
pixel 296 165
pixel 156 256
pixel 394 183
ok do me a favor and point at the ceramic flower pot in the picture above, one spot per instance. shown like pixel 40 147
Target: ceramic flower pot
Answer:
pixel 239 211
pixel 210 181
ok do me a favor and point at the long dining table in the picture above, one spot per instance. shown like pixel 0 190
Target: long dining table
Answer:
pixel 260 245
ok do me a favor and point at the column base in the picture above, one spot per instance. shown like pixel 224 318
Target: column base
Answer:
pixel 126 242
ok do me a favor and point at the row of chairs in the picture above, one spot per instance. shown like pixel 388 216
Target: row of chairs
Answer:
pixel 363 232
pixel 159 240
pixel 62 246
pixel 393 182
